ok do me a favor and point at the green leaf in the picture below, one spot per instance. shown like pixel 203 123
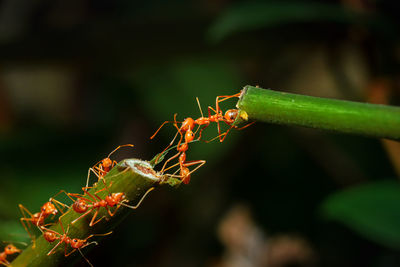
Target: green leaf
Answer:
pixel 250 16
pixel 372 210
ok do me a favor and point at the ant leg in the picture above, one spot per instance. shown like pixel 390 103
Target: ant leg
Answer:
pixel 88 176
pixel 5 262
pixel 172 166
pixel 169 145
pixel 93 197
pixel 53 250
pixel 173 140
pixel 93 222
pixel 112 213
pixel 57 203
pixel 83 215
pixel 80 196
pixel 233 126
pixel 27 227
pixel 23 210
pixel 26 219
pixel 217 112
pixel 165 122
pixel 226 97
pixel 191 163
pixel 201 130
pixel 140 201
pixel 168 160
pixel 67 254
pixel 247 125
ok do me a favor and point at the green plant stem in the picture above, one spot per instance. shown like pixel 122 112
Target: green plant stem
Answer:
pixel 131 176
pixel 320 113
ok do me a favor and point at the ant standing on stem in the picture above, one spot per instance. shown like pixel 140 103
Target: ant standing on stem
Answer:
pixel 84 204
pixel 104 166
pixel 38 218
pixel 75 243
pixel 8 250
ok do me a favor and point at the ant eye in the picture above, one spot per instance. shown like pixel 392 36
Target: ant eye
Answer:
pixel 74 240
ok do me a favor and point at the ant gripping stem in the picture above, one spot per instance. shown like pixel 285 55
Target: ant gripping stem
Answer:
pixel 75 243
pixel 49 208
pixel 102 167
pixel 183 164
pixel 87 203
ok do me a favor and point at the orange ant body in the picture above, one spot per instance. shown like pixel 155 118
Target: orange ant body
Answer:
pixel 85 205
pixel 189 123
pixel 182 148
pixel 101 168
pixel 75 243
pixel 38 218
pixel 8 250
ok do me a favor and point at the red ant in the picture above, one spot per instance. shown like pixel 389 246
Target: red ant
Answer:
pixel 189 123
pixel 104 166
pixel 38 218
pixel 182 148
pixel 8 250
pixel 85 205
pixel 229 117
pixel 75 243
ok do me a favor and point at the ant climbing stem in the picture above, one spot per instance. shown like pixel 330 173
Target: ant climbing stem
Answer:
pixel 102 167
pixel 183 164
pixel 49 208
pixel 75 243
pixel 186 125
pixel 89 202
pixel 8 250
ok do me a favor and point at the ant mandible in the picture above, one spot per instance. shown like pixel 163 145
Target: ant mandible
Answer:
pixel 85 205
pixel 8 250
pixel 75 243
pixel 102 167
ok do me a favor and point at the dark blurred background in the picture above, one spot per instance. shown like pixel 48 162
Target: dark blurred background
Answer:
pixel 80 77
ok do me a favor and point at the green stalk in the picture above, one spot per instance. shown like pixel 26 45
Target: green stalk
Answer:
pixel 133 177
pixel 372 120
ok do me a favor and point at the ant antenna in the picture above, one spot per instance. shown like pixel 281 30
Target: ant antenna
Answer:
pixel 109 155
pixel 198 103
pixel 140 201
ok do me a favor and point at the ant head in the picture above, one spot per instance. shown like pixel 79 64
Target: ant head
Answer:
pixel 11 249
pixel 49 208
pixel 189 136
pixel 230 115
pixel 77 243
pixel 80 206
pixel 106 163
pixel 187 124
pixel 50 236
pixel 185 173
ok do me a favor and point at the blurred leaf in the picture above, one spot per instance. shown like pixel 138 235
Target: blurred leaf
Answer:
pixel 250 16
pixel 372 210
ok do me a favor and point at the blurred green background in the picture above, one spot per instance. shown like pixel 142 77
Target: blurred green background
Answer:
pixel 80 77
